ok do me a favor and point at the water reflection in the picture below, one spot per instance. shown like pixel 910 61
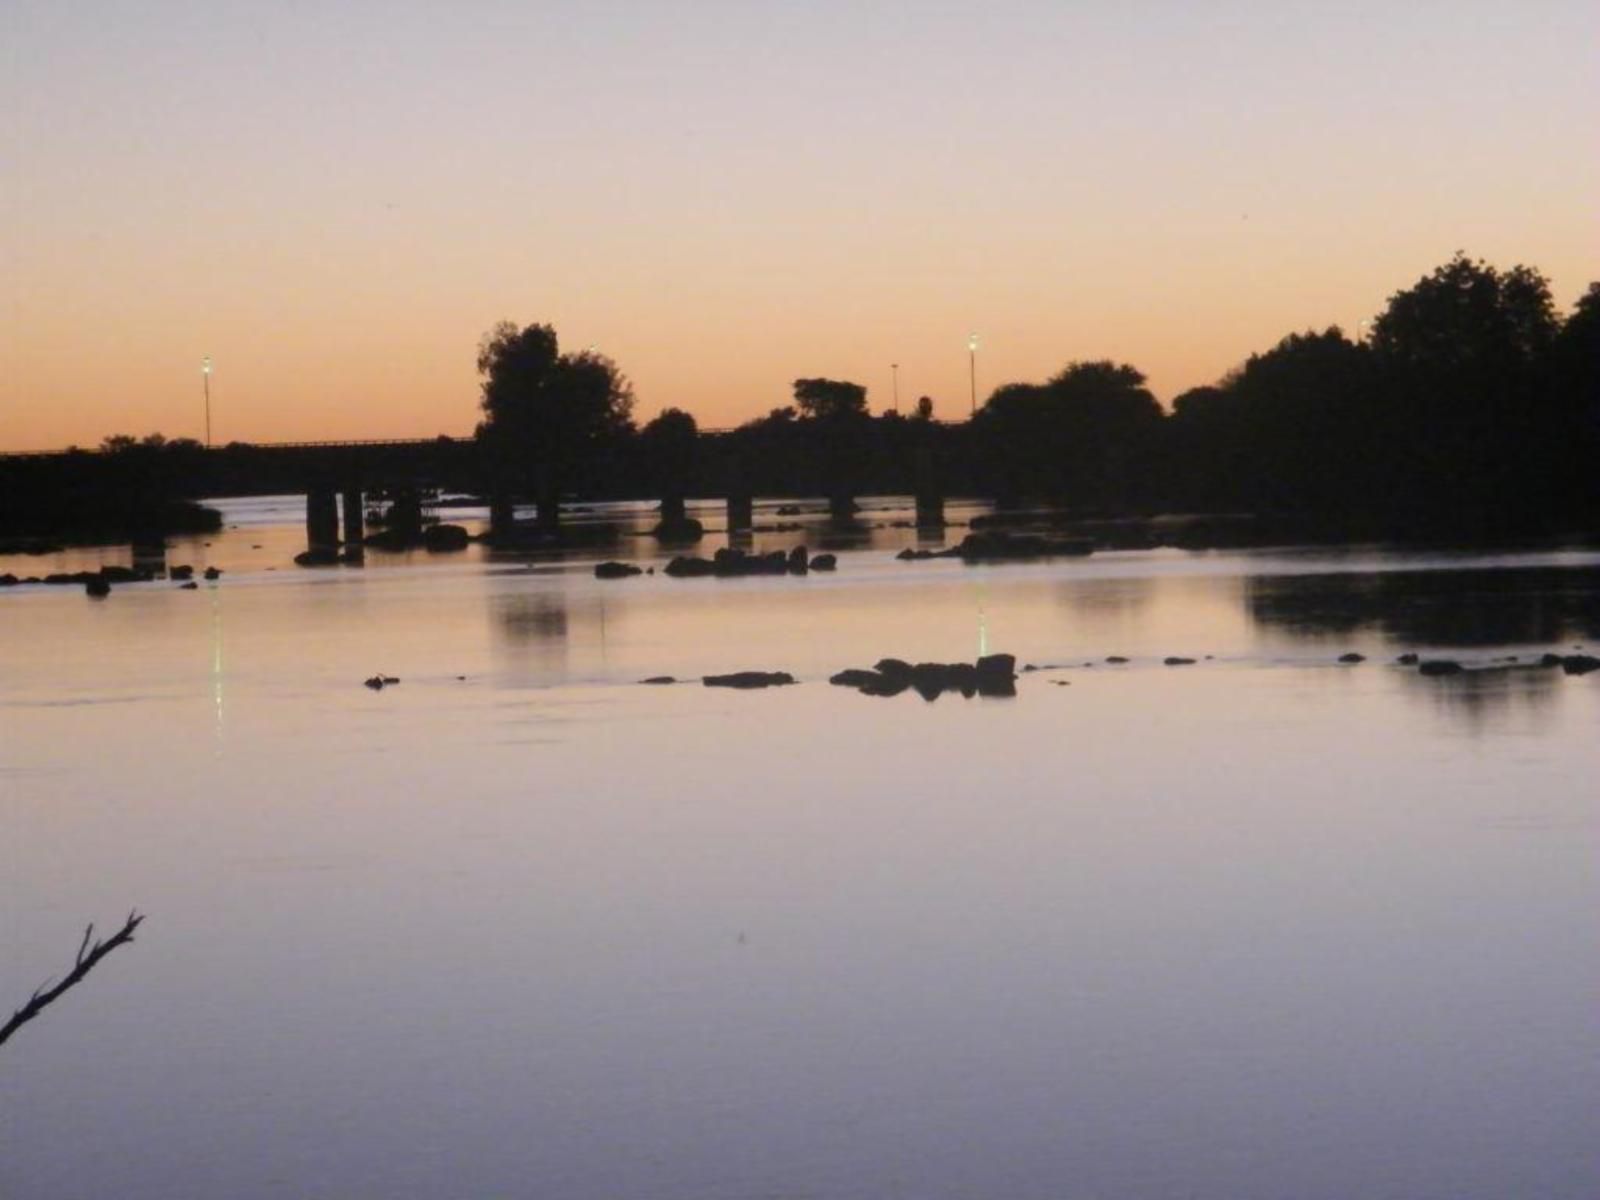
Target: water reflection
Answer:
pixel 1478 698
pixel 524 617
pixel 1443 608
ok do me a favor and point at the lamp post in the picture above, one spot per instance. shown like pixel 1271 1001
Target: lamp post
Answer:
pixel 972 363
pixel 205 375
pixel 894 374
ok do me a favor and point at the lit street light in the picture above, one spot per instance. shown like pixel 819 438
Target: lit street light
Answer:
pixel 205 374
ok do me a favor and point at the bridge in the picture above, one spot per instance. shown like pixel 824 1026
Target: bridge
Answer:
pixel 734 465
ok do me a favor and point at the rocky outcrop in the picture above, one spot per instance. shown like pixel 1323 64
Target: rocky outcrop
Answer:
pixel 679 529
pixel 1571 664
pixel 991 675
pixel 824 562
pixel 444 538
pixel 747 680
pixel 729 562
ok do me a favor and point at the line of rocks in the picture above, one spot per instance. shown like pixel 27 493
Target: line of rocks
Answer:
pixel 729 563
pixel 98 582
pixel 1000 546
pixel 990 675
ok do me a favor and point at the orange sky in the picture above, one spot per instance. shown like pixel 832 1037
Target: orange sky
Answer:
pixel 726 196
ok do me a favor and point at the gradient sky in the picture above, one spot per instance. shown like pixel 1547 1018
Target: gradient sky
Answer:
pixel 336 201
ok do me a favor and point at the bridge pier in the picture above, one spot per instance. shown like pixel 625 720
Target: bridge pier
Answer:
pixel 842 508
pixel 548 516
pixel 741 512
pixel 502 515
pixel 930 498
pixel 322 519
pixel 405 514
pixel 355 525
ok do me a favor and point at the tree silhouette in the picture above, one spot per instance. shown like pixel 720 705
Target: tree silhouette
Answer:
pixel 1078 438
pixel 830 399
pixel 668 451
pixel 547 415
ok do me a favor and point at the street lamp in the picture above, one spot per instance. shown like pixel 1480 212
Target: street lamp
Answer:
pixel 205 375
pixel 894 374
pixel 972 361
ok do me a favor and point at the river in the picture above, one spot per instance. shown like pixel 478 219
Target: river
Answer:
pixel 1263 926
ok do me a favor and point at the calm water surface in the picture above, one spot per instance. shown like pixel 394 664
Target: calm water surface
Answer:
pixel 1265 926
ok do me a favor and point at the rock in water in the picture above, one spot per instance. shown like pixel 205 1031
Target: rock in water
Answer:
pixel 746 680
pixel 440 538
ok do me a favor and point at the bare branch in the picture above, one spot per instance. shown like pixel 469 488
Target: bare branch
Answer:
pixel 84 964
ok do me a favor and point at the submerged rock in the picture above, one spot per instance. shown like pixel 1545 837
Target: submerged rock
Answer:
pixel 1407 660
pixel 824 562
pixel 746 680
pixel 615 570
pixel 1439 666
pixel 854 677
pixel 678 529
pixel 995 545
pixel 441 538
pixel 657 679
pixel 1352 657
pixel 1580 664
pixel 213 573
pixel 1177 660
pixel 378 682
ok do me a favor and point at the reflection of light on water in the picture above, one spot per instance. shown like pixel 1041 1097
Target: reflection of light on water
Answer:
pixel 216 667
pixel 983 624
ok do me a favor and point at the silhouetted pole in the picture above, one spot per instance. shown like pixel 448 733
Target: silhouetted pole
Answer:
pixel 894 374
pixel 972 360
pixel 205 375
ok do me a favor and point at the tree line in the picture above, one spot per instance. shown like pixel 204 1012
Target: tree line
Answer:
pixel 1472 406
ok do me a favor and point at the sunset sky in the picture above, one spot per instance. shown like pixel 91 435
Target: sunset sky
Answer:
pixel 335 201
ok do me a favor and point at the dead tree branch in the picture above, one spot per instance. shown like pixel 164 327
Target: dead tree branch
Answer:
pixel 88 956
